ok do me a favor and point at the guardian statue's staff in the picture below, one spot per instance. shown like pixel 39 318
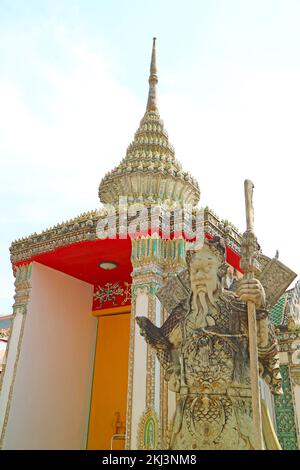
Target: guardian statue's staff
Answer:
pixel 250 265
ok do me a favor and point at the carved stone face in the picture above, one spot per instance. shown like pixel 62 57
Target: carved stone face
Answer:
pixel 203 271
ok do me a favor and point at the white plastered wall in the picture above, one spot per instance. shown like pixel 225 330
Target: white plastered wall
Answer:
pixel 51 395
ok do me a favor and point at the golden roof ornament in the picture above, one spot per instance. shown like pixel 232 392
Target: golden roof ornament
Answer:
pixel 149 173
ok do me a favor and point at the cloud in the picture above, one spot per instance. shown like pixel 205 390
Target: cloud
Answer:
pixel 65 120
pixel 249 132
pixel 54 151
pixel 82 130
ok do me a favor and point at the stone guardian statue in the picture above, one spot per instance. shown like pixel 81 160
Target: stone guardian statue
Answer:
pixel 204 349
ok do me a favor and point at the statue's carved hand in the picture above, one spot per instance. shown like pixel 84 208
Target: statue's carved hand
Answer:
pixel 152 334
pixel 252 290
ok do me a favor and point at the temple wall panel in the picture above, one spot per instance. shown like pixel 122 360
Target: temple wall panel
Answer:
pixel 51 396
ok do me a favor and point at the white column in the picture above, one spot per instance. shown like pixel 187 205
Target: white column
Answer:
pixel 139 373
pixel 22 294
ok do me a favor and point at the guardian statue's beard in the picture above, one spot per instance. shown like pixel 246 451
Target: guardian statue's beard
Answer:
pixel 200 302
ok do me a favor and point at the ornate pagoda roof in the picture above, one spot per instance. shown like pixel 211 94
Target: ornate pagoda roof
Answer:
pixel 149 172
pixel 83 228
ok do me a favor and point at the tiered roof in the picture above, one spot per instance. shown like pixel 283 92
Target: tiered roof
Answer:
pixel 150 173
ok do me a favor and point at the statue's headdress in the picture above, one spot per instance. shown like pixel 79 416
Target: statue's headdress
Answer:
pixel 218 247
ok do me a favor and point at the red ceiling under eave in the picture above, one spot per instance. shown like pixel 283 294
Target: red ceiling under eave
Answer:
pixel 81 260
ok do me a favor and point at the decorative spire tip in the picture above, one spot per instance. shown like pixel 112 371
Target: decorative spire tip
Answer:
pixel 153 80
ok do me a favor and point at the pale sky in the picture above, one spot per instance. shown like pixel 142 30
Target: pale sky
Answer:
pixel 73 88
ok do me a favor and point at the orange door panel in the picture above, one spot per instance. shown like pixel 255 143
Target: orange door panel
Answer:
pixel 109 393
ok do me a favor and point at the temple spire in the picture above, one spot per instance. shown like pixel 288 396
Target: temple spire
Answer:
pixel 153 80
pixel 149 156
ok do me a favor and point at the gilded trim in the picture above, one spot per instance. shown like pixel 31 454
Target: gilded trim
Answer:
pixel 146 439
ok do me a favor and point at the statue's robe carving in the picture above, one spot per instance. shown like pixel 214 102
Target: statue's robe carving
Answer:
pixel 209 369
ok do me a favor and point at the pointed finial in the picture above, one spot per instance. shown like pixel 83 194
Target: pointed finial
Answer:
pixel 153 80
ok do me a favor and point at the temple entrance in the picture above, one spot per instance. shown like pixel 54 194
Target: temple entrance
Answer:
pixel 109 391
